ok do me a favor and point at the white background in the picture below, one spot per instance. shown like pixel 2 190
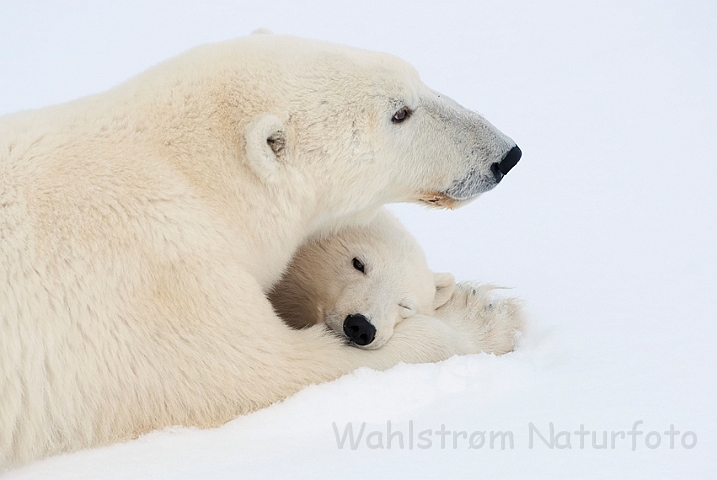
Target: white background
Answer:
pixel 607 228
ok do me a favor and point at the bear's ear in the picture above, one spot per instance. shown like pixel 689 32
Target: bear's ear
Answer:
pixel 445 285
pixel 262 31
pixel 265 143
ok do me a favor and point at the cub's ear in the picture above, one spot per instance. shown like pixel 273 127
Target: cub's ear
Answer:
pixel 262 31
pixel 445 285
pixel 265 143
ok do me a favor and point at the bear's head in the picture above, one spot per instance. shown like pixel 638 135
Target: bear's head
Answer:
pixel 355 129
pixel 360 282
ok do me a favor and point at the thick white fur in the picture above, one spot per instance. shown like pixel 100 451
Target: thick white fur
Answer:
pixel 321 284
pixel 140 229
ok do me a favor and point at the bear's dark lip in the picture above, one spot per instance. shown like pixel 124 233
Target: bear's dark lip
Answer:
pixel 470 187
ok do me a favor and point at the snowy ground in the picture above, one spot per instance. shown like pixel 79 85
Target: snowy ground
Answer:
pixel 607 228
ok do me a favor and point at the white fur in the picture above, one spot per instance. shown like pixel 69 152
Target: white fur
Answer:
pixel 140 229
pixel 321 284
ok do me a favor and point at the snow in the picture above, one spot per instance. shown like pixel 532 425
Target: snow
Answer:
pixel 607 228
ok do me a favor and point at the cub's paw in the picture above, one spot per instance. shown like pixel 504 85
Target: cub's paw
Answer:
pixel 492 324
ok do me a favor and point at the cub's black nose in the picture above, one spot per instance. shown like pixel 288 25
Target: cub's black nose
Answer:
pixel 359 330
pixel 502 168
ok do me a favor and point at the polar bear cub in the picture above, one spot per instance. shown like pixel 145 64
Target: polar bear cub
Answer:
pixel 363 280
pixel 360 281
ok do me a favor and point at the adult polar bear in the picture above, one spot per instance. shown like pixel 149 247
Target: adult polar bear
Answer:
pixel 140 228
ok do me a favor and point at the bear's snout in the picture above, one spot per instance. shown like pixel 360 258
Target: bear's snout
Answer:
pixel 358 329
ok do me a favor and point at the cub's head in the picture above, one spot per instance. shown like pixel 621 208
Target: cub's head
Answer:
pixel 360 281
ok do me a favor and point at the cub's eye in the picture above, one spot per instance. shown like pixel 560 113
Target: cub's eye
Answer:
pixel 401 115
pixel 358 265
pixel 406 310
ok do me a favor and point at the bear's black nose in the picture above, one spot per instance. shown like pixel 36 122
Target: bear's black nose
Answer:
pixel 502 168
pixel 359 330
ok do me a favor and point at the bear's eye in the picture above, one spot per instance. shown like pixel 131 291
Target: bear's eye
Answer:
pixel 358 265
pixel 401 115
